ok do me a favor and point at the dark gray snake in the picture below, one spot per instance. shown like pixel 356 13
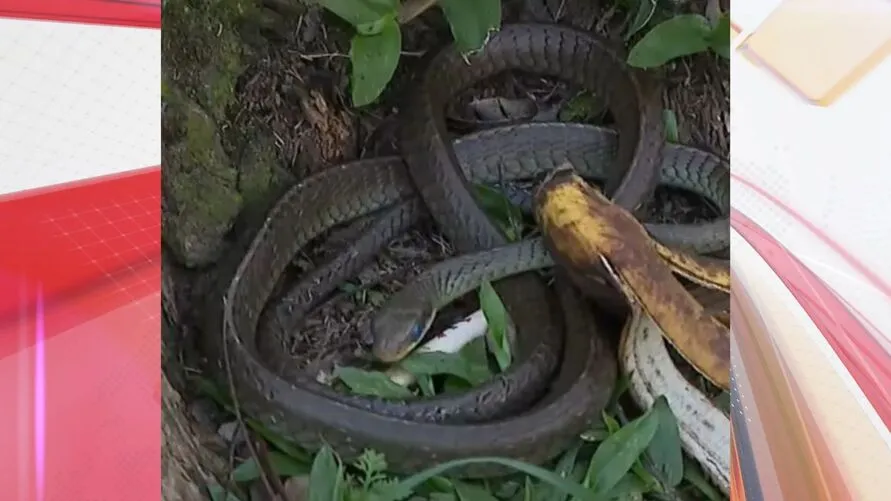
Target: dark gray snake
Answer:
pixel 563 372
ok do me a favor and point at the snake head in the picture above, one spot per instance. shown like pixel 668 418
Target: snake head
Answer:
pixel 397 331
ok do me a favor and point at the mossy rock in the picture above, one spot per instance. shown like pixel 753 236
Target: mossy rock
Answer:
pixel 201 198
pixel 262 175
pixel 203 51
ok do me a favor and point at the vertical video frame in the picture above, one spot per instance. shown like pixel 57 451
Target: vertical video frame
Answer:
pixel 446 250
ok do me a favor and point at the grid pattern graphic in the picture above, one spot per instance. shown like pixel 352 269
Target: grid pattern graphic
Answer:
pixel 80 269
pixel 71 98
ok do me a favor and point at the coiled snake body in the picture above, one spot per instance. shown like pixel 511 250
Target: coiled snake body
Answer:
pixel 564 372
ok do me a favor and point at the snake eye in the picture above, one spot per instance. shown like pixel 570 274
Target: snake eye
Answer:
pixel 417 331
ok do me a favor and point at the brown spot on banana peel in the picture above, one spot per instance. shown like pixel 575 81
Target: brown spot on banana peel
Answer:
pixel 580 225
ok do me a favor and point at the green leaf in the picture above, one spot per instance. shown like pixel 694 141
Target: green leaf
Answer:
pixel 719 40
pixel 645 10
pixel 584 107
pixel 618 453
pixel 564 468
pixel 693 474
pixel 359 12
pixel 443 496
pixel 671 125
pixel 436 362
pixel 597 433
pixel 471 21
pixel 374 59
pixel 665 452
pixel 472 492
pixel 375 27
pixel 371 383
pixel 219 493
pixel 476 353
pixel 612 425
pixel 497 206
pixel 289 449
pixel 282 465
pixel 496 317
pixel 679 36
pixel 441 484
pixel 570 488
pixel 529 491
pixel 455 385
pixel 325 477
pixel 629 487
pixel 425 383
pixel 622 385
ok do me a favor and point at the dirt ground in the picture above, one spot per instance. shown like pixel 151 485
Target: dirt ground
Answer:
pixel 256 97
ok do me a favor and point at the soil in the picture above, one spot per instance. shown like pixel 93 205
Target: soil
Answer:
pixel 255 98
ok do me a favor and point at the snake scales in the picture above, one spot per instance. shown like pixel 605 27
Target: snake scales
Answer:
pixel 564 372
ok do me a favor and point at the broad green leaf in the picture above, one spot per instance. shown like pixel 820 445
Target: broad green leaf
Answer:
pixel 719 40
pixel 371 383
pixel 497 318
pixel 375 27
pixel 618 453
pixel 645 10
pixel 671 125
pixel 437 362
pixel 282 465
pixel 472 492
pixel 405 486
pixel 679 36
pixel 475 353
pixel 665 452
pixel 613 426
pixel 359 12
pixel 219 493
pixel 471 21
pixel 630 487
pixel 325 477
pixel 374 59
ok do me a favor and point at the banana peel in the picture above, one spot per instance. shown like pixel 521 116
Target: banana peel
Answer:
pixel 585 233
pixel 707 272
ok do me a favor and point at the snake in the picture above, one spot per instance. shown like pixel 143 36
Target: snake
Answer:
pixel 577 371
pixel 704 430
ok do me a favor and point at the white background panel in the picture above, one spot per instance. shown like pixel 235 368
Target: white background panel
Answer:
pixel 76 101
pixel 831 165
